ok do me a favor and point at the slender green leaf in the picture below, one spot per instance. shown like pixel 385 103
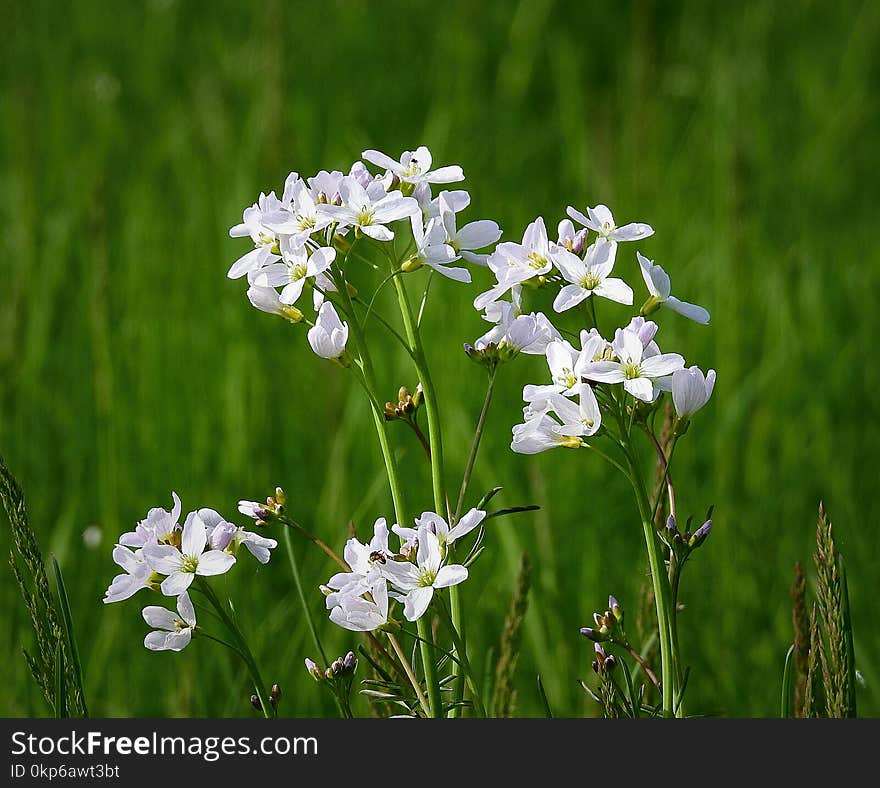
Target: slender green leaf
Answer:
pixel 786 705
pixel 69 636
pixel 548 712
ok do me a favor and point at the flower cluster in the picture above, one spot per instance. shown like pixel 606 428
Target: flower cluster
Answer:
pixel 358 599
pixel 298 238
pixel 583 380
pixel 162 555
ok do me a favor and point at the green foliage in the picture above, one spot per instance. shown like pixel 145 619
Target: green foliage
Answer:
pixel 129 365
pixel 504 691
pixel 54 665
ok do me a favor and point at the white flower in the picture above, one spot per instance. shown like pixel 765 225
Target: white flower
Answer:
pixel 297 266
pixel 223 535
pixel 265 249
pixel 540 432
pixel 638 373
pixel 416 582
pixel 181 566
pixel 173 632
pixel 601 221
pixel 364 561
pixel 300 217
pixel 528 334
pixel 580 419
pixel 266 300
pixel 329 335
pixel 137 575
pixel 473 236
pixel 438 526
pixel 691 390
pixel 657 281
pixel 370 209
pixel 432 250
pixel 159 525
pixel 590 275
pixel 456 199
pixel 415 167
pixel 360 614
pixel 515 263
pixel 325 186
pixel 566 365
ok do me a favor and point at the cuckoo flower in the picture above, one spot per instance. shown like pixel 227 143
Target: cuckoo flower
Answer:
pixel 329 335
pixel 415 167
pixel 362 612
pixel 638 373
pixel 181 566
pixel 298 265
pixel 657 281
pixel 473 236
pixel 432 250
pixel 158 526
pixel 137 575
pixel 365 562
pixel 415 583
pixel 590 275
pixel 369 209
pixel 515 263
pixel 600 220
pixel 265 249
pixel 172 632
pixel 438 526
pixel 266 300
pixel 691 390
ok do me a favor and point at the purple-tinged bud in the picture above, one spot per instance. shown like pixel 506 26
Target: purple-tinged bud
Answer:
pixel 671 525
pixel 350 662
pixel 222 535
pixel 592 634
pixel 599 619
pixel 597 647
pixel 255 702
pixel 314 670
pixel 700 534
pixel 616 609
pixel 579 241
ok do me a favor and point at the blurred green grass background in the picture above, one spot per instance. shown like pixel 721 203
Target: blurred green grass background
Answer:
pixel 130 140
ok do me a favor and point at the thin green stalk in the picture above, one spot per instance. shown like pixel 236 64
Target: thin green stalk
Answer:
pixel 413 336
pixel 435 703
pixel 378 418
pixel 242 647
pixel 294 568
pixel 461 654
pixel 475 446
pixel 414 339
pixel 407 668
pixel 660 582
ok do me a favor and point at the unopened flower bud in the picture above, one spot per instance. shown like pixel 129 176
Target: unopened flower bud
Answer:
pixel 700 534
pixel 314 670
pixel 592 634
pixel 275 694
pixel 350 662
pixel 671 525
pixel 616 610
pixel 280 496
pixel 328 674
pixel 255 702
pixel 412 263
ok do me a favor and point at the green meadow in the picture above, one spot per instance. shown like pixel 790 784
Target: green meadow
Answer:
pixel 133 135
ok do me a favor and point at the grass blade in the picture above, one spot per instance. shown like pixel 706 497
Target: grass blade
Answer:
pixel 60 689
pixel 548 712
pixel 69 637
pixel 786 704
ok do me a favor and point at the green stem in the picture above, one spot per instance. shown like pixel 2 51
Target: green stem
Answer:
pixel 475 446
pixel 435 703
pixel 435 440
pixel 434 434
pixel 461 654
pixel 378 417
pixel 294 568
pixel 242 647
